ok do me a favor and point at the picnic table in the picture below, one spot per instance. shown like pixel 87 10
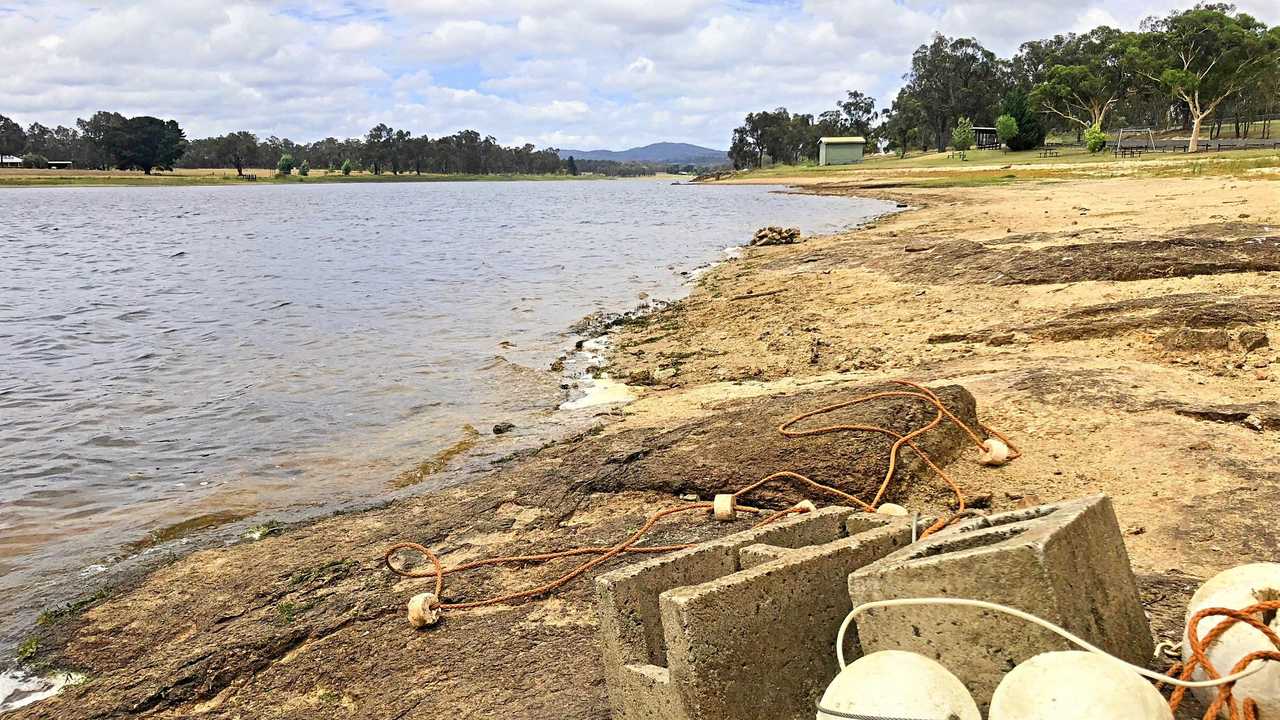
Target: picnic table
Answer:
pixel 1049 152
pixel 1132 152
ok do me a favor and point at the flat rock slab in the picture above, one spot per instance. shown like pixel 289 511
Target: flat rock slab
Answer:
pixel 964 261
pixel 739 443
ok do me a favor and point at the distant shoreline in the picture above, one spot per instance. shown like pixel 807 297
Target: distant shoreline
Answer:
pixel 24 178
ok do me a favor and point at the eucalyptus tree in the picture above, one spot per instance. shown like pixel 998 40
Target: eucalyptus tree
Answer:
pixel 1203 57
pixel 237 149
pixel 1087 77
pixel 951 77
pixel 900 123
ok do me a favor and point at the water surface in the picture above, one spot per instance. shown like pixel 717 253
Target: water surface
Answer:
pixel 227 352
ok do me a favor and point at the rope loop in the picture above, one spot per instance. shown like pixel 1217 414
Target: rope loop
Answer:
pixel 726 506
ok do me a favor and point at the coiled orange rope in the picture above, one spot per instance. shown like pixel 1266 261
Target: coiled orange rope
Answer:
pixel 1199 658
pixel 630 544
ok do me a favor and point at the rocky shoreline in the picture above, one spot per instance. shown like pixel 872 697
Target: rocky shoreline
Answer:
pixel 1042 310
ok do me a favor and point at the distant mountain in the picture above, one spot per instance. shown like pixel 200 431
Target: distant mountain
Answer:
pixel 663 152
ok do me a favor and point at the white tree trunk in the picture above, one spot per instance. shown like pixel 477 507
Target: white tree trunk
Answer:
pixel 1193 145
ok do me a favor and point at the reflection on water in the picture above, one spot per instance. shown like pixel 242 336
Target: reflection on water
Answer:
pixel 178 353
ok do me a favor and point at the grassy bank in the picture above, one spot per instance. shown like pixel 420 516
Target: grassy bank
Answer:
pixel 93 178
pixel 997 167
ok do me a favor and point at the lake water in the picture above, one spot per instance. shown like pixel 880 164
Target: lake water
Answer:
pixel 249 352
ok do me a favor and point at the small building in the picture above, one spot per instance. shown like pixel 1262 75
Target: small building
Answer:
pixel 986 138
pixel 13 161
pixel 840 150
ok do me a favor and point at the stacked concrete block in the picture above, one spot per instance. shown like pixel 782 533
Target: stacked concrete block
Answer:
pixel 1064 562
pixel 741 627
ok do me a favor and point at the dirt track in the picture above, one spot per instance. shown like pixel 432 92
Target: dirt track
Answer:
pixel 1086 363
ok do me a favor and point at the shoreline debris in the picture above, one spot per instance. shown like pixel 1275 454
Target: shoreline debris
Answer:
pixel 773 235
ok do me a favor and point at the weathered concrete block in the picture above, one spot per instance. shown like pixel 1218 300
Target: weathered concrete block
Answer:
pixel 693 635
pixel 1064 562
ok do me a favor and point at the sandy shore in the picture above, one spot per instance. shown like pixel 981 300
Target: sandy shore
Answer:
pixel 1101 322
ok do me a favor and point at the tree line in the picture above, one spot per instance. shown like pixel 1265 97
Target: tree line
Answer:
pixel 109 140
pixel 105 140
pixel 1208 64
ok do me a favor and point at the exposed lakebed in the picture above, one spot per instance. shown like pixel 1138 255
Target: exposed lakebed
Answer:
pixel 181 357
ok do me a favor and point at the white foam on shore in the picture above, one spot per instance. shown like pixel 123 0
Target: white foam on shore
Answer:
pixel 19 689
pixel 601 391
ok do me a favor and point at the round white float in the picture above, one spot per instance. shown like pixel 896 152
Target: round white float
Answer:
pixel 893 510
pixel 1074 685
pixel 423 610
pixel 994 452
pixel 894 683
pixel 1239 588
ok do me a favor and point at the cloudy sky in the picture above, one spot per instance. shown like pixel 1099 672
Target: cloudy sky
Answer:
pixel 567 73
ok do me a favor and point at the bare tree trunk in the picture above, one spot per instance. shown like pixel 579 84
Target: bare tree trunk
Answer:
pixel 1193 144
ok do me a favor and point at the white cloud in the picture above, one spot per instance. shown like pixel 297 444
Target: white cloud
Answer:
pixel 355 36
pixel 568 73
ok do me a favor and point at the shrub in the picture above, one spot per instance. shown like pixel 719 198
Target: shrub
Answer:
pixel 1031 133
pixel 962 136
pixel 1095 139
pixel 305 168
pixel 33 160
pixel 346 167
pixel 285 165
pixel 1006 128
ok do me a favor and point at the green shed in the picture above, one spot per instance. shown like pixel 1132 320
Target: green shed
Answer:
pixel 840 150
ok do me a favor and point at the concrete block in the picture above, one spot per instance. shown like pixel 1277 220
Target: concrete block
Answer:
pixel 740 627
pixel 1064 562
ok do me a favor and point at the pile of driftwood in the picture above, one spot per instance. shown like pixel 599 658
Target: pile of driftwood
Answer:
pixel 776 236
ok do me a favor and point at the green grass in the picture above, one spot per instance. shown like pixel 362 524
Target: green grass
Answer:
pixel 266 529
pixel 179 179
pixel 325 571
pixel 287 612
pixel 990 167
pixel 27 650
pixel 75 607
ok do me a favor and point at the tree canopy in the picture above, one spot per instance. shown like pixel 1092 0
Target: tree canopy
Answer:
pixel 1178 71
pixel 1204 56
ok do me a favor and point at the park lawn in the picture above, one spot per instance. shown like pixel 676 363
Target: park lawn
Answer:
pixel 984 167
pixel 20 177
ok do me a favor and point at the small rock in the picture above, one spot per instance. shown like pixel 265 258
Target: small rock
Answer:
pixel 1252 340
pixel 1029 500
pixel 1136 530
pixel 503 428
pixel 1000 339
pixel 1253 422
pixel 640 377
pixel 664 374
pixel 1187 339
pixel 980 501
pixel 918 246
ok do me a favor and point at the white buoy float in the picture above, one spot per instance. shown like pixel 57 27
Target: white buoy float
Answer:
pixel 1075 685
pixel 892 510
pixel 898 684
pixel 1238 588
pixel 424 610
pixel 994 452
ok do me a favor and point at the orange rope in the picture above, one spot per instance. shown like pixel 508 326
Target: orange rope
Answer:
pixel 629 545
pixel 1199 658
